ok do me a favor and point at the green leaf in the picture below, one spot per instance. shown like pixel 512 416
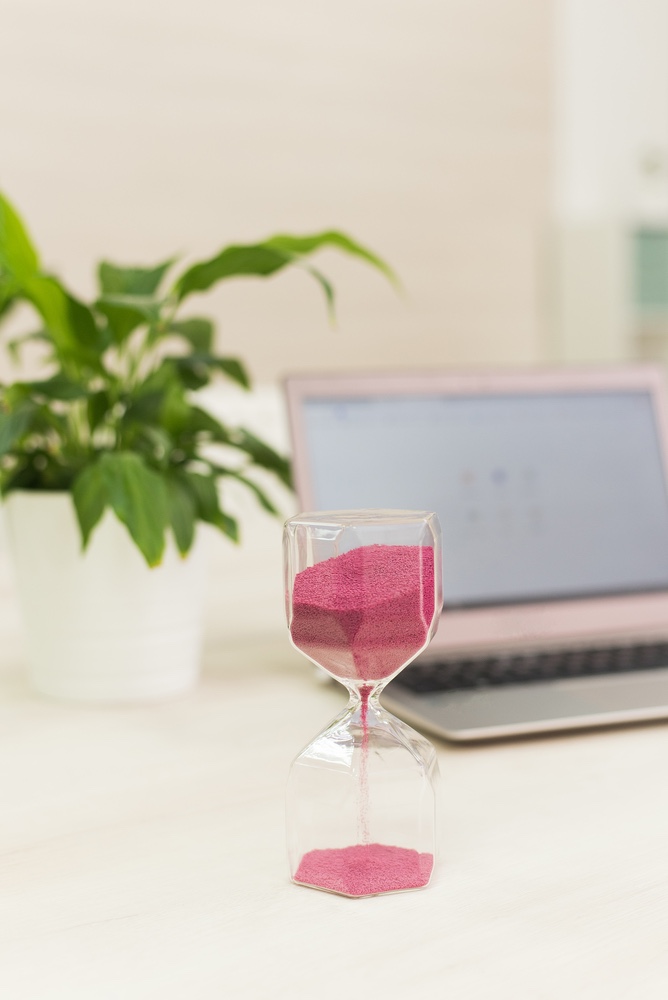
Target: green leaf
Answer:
pixel 261 496
pixel 126 313
pixel 90 495
pixel 232 262
pixel 161 399
pixel 327 288
pixel 116 280
pixel 148 399
pixel 59 386
pixel 182 513
pixel 36 470
pixel 196 369
pixel 70 323
pixel 193 372
pixel 204 492
pixel 145 409
pixel 262 454
pixel 14 425
pixel 159 379
pixel 303 245
pixel 85 329
pixel 233 368
pixel 154 443
pixel 99 404
pixel 198 332
pixel 229 526
pixel 17 254
pixel 139 499
pixel 201 422
pixel 46 419
pixel 23 477
pixel 266 258
pixel 175 411
pixel 7 298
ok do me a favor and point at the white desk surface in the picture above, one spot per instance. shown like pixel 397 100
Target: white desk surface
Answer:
pixel 142 857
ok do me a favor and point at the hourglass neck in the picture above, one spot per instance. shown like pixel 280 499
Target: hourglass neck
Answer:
pixel 364 692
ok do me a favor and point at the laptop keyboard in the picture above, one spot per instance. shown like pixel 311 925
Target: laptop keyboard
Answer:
pixel 467 672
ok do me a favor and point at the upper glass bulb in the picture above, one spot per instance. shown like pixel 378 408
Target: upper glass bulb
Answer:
pixel 363 589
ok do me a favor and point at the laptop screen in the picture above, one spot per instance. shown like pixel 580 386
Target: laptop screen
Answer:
pixel 540 497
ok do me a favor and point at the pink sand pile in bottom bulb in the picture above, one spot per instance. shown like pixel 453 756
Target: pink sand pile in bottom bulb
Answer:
pixel 363 614
pixel 365 869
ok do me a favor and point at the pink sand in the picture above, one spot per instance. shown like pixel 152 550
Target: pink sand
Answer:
pixel 363 614
pixel 365 869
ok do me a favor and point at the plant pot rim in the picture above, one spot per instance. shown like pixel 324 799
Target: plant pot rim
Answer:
pixel 35 494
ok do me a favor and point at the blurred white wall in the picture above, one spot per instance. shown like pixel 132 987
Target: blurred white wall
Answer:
pixel 135 128
pixel 611 110
pixel 610 171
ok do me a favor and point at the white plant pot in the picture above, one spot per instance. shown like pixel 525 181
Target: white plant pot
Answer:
pixel 100 625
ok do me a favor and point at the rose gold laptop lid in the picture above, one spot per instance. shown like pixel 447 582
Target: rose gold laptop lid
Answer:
pixel 510 623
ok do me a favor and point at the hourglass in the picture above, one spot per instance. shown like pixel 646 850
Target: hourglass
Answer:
pixel 363 598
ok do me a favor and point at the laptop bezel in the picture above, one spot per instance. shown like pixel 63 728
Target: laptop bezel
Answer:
pixel 514 626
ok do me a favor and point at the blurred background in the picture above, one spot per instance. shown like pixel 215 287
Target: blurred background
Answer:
pixel 510 160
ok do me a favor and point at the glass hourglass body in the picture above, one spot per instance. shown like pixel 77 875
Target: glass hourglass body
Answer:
pixel 363 598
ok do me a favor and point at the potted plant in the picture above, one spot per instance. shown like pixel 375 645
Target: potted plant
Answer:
pixel 107 465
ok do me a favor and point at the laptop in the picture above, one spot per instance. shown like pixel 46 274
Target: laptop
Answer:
pixel 551 490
